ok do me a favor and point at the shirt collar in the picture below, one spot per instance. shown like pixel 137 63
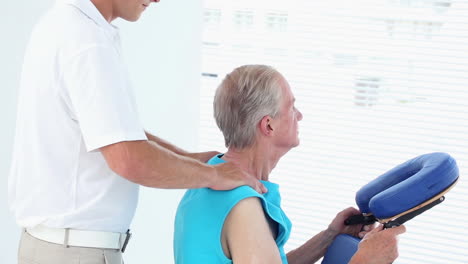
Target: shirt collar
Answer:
pixel 88 8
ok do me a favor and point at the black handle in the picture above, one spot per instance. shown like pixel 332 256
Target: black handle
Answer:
pixel 360 219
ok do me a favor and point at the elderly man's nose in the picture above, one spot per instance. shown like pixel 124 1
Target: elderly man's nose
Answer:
pixel 299 115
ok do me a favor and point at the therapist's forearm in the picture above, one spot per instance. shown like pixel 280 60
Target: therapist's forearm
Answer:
pixel 200 156
pixel 149 164
pixel 313 249
pixel 165 144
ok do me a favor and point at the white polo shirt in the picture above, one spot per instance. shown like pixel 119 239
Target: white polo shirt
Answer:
pixel 74 97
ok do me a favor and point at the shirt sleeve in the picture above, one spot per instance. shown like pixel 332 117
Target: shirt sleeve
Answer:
pixel 102 98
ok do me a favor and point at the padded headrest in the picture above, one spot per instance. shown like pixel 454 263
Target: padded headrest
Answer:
pixel 403 192
pixel 408 185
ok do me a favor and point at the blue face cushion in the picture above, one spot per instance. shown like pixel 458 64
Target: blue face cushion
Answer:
pixel 396 197
pixel 407 190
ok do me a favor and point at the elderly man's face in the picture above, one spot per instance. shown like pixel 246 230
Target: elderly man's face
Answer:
pixel 287 128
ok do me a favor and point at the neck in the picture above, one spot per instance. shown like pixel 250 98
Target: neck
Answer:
pixel 105 7
pixel 258 160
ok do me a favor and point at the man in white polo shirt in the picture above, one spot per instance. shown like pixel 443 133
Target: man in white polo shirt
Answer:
pixel 80 152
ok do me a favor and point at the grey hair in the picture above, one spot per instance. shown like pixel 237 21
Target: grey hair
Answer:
pixel 243 98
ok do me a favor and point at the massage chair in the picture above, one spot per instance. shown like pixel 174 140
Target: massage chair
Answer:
pixel 397 196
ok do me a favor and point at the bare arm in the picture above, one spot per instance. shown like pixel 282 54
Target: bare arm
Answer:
pixel 315 248
pixel 377 246
pixel 247 236
pixel 200 156
pixel 165 144
pixel 150 164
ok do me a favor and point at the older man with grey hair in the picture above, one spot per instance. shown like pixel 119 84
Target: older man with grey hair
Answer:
pixel 254 108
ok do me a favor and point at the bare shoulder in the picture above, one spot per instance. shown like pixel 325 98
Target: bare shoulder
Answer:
pixel 245 215
pixel 246 228
pixel 247 208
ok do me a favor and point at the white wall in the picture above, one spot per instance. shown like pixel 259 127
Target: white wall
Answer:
pixel 162 50
pixel 163 54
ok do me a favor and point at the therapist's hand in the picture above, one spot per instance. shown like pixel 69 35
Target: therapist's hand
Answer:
pixel 379 246
pixel 230 176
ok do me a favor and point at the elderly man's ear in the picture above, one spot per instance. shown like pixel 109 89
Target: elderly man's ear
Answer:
pixel 266 126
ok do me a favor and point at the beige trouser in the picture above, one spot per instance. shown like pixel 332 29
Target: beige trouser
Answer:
pixel 36 251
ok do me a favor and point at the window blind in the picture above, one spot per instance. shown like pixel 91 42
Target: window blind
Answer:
pixel 378 82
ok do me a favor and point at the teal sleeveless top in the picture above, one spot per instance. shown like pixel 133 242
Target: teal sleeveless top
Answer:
pixel 200 218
